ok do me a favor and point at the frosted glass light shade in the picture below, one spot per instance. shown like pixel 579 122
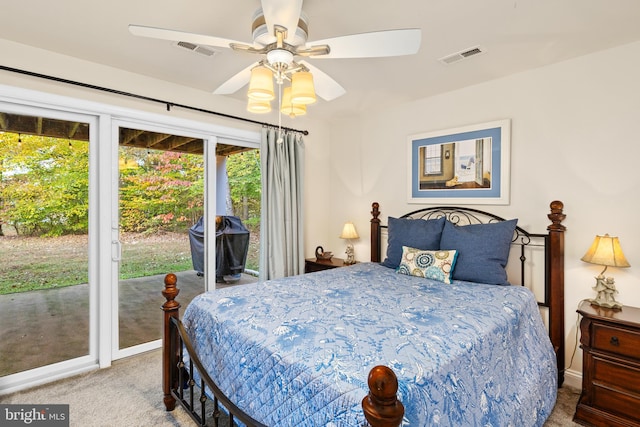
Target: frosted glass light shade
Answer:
pixel 261 84
pixel 292 110
pixel 258 106
pixel 302 89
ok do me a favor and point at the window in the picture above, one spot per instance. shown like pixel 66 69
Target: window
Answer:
pixel 433 159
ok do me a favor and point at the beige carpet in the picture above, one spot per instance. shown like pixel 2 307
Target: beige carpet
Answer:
pixel 129 394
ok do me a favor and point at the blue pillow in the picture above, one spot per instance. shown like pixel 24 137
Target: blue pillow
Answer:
pixel 414 233
pixel 483 250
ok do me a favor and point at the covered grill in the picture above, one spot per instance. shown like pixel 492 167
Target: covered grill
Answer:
pixel 232 245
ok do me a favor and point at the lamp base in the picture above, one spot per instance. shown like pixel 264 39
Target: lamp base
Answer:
pixel 615 305
pixel 606 290
pixel 350 256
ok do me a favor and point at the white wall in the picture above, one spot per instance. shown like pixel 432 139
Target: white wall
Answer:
pixel 574 138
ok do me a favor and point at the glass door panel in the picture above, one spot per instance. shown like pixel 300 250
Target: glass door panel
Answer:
pixel 44 241
pixel 161 196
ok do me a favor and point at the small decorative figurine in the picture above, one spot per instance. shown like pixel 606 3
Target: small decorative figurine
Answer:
pixel 350 255
pixel 321 254
pixel 606 291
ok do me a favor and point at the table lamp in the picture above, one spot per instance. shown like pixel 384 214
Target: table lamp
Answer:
pixel 605 250
pixel 349 232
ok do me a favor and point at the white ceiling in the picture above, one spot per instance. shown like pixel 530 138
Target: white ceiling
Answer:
pixel 516 34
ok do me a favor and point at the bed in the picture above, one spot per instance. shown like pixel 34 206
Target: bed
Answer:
pixel 406 339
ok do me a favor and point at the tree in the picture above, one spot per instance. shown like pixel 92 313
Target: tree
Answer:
pixel 245 185
pixel 160 190
pixel 45 184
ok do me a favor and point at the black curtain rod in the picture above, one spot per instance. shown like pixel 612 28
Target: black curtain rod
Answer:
pixel 145 98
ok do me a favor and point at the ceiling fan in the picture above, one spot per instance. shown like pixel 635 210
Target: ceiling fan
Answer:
pixel 280 35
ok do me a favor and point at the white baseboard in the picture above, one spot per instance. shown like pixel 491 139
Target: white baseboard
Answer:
pixel 573 379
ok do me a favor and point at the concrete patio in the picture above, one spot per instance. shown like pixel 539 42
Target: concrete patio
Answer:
pixel 49 326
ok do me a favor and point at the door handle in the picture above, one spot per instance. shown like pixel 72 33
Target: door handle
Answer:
pixel 116 251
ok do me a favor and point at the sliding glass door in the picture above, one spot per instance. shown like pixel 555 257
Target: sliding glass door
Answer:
pixel 161 181
pixel 48 287
pixel 85 239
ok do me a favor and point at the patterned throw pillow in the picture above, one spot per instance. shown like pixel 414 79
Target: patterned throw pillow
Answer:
pixel 436 265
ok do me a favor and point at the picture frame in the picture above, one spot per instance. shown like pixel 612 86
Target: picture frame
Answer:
pixel 468 165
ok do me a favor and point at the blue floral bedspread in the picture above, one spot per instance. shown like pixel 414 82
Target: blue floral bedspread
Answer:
pixel 297 351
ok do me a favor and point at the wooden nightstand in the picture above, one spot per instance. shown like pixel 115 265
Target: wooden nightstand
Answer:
pixel 610 343
pixel 313 264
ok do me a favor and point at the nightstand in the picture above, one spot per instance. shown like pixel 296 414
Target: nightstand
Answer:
pixel 610 343
pixel 313 264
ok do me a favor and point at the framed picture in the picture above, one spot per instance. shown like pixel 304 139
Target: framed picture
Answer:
pixel 465 165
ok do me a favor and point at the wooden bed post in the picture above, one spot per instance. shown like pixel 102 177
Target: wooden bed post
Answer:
pixel 556 279
pixel 375 232
pixel 169 367
pixel 381 406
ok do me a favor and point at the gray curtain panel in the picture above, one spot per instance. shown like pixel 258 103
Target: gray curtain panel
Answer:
pixel 281 222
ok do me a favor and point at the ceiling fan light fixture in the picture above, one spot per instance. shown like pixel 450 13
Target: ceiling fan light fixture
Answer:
pixel 258 107
pixel 261 84
pixel 302 88
pixel 290 109
pixel 280 58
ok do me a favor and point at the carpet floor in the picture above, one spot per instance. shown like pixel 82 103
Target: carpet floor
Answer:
pixel 129 394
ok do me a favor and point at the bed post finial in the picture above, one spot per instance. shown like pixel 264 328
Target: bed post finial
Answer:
pixel 381 406
pixel 556 216
pixel 170 292
pixel 171 309
pixel 375 211
pixel 375 232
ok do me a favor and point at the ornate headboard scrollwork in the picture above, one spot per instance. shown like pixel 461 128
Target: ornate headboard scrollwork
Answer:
pixel 456 215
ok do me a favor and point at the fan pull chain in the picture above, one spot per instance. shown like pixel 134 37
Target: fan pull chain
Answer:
pixel 280 139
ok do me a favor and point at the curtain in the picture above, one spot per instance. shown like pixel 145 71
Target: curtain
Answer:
pixel 281 221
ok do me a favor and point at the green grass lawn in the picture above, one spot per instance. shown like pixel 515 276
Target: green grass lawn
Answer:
pixel 35 263
pixel 150 255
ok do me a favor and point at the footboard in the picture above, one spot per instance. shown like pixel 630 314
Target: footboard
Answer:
pixel 381 406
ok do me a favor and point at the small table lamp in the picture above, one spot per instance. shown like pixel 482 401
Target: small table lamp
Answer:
pixel 606 251
pixel 349 232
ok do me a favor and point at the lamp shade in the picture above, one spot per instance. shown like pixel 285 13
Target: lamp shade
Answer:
pixel 302 89
pixel 289 108
pixel 349 231
pixel 606 250
pixel 261 84
pixel 258 106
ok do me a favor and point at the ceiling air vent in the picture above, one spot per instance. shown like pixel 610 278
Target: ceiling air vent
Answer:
pixel 459 56
pixel 202 50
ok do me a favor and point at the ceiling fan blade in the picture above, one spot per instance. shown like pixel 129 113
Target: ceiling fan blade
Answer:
pixel 373 45
pixel 236 82
pixel 285 13
pixel 316 50
pixel 326 88
pixel 182 36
